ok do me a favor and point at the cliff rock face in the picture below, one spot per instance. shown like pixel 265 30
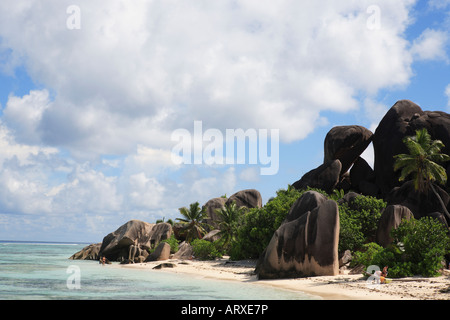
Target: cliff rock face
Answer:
pixel 307 245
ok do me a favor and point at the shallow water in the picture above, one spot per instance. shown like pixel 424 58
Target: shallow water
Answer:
pixel 35 271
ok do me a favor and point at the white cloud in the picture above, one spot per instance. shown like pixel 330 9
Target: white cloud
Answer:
pixel 145 192
pixel 250 174
pixel 142 69
pixel 137 70
pixel 438 4
pixel 447 93
pixel 430 45
pixel 23 114
pixel 374 112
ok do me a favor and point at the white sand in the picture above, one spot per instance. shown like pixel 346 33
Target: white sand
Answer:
pixel 341 287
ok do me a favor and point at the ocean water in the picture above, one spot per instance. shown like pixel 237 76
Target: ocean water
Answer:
pixel 42 271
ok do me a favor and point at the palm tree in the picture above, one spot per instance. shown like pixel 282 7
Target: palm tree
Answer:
pixel 193 219
pixel 422 162
pixel 229 216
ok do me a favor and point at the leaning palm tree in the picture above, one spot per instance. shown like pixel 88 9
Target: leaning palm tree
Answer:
pixel 229 217
pixel 422 163
pixel 193 221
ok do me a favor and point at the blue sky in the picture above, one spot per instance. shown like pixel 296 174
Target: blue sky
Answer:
pixel 89 98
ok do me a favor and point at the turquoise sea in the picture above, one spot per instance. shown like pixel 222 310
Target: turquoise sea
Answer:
pixel 42 271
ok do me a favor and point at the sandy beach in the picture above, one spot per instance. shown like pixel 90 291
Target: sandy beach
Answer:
pixel 341 287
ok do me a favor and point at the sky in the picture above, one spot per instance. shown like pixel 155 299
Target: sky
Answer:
pixel 101 101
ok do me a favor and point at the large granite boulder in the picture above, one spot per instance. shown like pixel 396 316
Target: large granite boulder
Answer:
pixel 212 236
pixel 159 232
pixel 420 204
pixel 185 251
pixel 346 143
pixel 249 198
pixel 324 177
pixel 307 202
pixel 116 245
pixel 162 252
pixel 388 141
pixel 362 178
pixel 306 246
pixel 90 252
pixel 211 208
pixel 390 219
pixel 402 120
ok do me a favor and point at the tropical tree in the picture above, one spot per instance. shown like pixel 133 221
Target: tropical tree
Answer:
pixel 422 163
pixel 193 220
pixel 229 217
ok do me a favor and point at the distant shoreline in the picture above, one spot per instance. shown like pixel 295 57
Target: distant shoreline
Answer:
pixel 44 242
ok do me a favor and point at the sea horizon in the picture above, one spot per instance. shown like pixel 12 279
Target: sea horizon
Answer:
pixel 43 241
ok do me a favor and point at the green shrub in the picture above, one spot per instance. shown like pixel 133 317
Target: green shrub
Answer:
pixel 205 250
pixel 424 243
pixel 366 255
pixel 173 244
pixel 359 222
pixel 418 248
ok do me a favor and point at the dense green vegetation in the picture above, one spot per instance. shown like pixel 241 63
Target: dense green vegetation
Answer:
pixel 205 250
pixel 419 247
pixel 359 222
pixel 193 225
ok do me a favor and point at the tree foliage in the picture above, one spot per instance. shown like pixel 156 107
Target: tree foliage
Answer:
pixel 422 163
pixel 359 222
pixel 193 218
pixel 229 219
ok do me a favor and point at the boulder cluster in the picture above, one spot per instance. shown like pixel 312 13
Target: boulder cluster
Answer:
pixel 306 243
pixel 138 241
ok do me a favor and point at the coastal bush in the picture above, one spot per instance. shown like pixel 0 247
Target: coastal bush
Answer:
pixel 259 224
pixel 173 242
pixel 366 255
pixel 418 248
pixel 205 250
pixel 359 222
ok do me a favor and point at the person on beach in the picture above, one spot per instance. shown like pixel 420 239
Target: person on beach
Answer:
pixel 103 261
pixel 383 275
